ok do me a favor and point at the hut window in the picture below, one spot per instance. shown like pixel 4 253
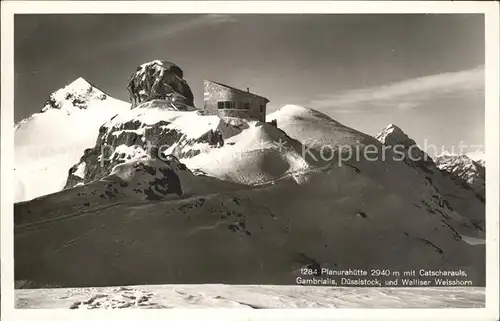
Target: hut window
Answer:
pixel 225 105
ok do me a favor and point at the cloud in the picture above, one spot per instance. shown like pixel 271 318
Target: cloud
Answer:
pixel 164 31
pixel 406 94
pixel 188 25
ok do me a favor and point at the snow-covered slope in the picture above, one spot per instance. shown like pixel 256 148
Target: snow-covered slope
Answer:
pixel 339 219
pixel 48 143
pixel 260 154
pixel 316 129
pixel 292 211
pixel 142 179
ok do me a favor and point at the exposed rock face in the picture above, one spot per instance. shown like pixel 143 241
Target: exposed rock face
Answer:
pixel 463 168
pixel 160 79
pixel 112 148
pixel 151 131
pixel 116 147
pixel 162 179
pixel 215 138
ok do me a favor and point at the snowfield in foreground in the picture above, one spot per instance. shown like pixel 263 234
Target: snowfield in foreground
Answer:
pixel 249 297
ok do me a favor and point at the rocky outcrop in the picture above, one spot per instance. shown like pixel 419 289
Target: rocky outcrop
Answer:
pixel 150 131
pixel 160 79
pixel 162 180
pixel 214 138
pixel 117 145
pixel 76 174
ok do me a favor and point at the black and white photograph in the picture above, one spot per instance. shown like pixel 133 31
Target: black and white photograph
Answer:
pixel 249 160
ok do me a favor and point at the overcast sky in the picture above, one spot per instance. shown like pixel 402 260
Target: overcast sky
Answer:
pixel 424 73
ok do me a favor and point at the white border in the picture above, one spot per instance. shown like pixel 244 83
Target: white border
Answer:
pixel 489 8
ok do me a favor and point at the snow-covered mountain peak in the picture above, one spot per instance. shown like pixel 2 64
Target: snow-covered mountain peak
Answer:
pixel 299 112
pixel 79 83
pixel 394 129
pixel 393 135
pixel 49 142
pixel 447 157
pixel 77 94
pixel 464 168
pixel 448 160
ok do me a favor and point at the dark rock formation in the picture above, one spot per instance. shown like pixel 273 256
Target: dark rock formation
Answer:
pixel 142 138
pixel 75 177
pixel 98 162
pixel 160 80
pixel 214 138
pixel 159 186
